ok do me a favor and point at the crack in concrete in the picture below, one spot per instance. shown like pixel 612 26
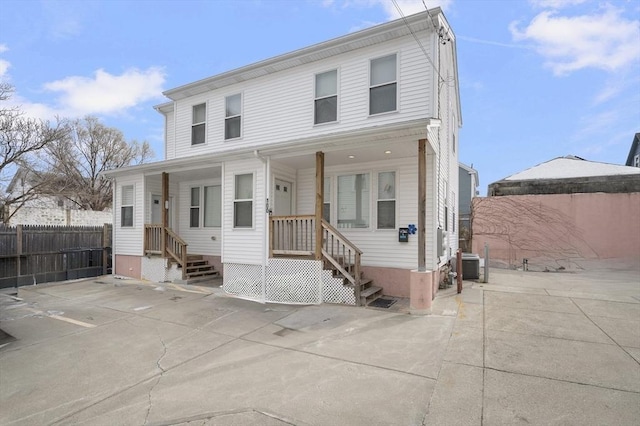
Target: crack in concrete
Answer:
pixel 162 371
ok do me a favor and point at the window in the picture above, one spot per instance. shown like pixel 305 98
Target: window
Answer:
pixel 233 117
pixel 326 206
pixel 454 142
pixel 636 161
pixel 326 100
pixel 243 202
pixel 198 126
pixel 212 206
pixel 353 201
pixel 126 209
pixel 383 85
pixel 387 200
pixel 194 210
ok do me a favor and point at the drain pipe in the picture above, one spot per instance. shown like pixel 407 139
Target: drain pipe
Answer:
pixel 266 163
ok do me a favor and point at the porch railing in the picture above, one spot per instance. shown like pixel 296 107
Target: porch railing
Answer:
pixel 292 235
pixel 295 236
pixel 175 246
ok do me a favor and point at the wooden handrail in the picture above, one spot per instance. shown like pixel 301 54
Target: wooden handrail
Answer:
pixel 334 231
pixel 176 247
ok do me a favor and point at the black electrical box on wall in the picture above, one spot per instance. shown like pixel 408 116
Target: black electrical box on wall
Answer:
pixel 403 235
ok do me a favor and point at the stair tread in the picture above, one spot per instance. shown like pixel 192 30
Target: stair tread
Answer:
pixel 202 273
pixel 369 291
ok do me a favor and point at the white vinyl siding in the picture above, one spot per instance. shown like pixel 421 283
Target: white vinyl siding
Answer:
pixel 129 240
pixel 268 119
pixel 379 247
pixel 201 240
pixel 243 245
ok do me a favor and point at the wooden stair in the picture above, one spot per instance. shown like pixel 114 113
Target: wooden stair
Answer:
pixel 198 269
pixel 368 291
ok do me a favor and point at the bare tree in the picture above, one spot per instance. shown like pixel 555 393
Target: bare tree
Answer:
pixel 21 138
pixel 90 148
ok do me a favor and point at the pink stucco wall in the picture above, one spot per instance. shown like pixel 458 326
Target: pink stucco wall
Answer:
pixel 128 266
pixel 558 230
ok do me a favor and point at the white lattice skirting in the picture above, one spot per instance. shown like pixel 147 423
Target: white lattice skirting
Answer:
pixel 286 281
pixel 155 269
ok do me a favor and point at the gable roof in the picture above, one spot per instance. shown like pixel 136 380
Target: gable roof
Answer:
pixel 572 167
pixel 471 171
pixel 633 149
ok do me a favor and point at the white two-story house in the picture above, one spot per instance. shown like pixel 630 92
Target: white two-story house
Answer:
pixel 327 174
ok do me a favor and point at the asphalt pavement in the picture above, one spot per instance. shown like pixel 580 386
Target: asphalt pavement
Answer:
pixel 526 348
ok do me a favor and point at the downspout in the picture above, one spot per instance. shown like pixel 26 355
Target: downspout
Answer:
pixel 175 127
pixel 266 163
pixel 113 227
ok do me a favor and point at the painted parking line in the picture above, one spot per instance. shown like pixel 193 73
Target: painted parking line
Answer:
pixel 177 287
pixel 61 318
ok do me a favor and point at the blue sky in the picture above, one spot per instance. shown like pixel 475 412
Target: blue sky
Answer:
pixel 538 79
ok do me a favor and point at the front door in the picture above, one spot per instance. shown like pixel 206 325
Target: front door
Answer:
pixel 282 198
pixel 156 209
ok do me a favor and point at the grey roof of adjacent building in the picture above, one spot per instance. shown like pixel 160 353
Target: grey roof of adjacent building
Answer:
pixel 572 167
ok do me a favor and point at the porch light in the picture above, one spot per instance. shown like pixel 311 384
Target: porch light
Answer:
pixel 387 152
pixel 352 157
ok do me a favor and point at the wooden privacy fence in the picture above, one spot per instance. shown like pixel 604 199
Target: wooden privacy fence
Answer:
pixel 31 254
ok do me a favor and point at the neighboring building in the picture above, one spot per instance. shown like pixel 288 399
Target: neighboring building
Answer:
pixel 468 182
pixel 38 209
pixel 633 159
pixel 255 156
pixel 563 214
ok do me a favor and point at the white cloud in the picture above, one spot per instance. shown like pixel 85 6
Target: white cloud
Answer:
pixel 605 41
pixel 4 64
pixel 555 4
pixel 106 93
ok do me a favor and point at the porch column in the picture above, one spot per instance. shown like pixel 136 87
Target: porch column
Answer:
pixel 165 213
pixel 421 281
pixel 422 203
pixel 319 202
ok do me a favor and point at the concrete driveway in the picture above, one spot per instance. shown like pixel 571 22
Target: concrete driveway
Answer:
pixel 527 348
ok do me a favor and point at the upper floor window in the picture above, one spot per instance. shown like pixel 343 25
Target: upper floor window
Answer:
pixel 383 85
pixel 326 98
pixel 126 208
pixel 233 116
pixel 636 161
pixel 198 124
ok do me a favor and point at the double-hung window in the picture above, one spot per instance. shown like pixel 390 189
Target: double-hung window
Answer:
pixel 326 97
pixel 383 85
pixel 194 209
pixel 233 116
pixel 387 200
pixel 353 201
pixel 126 208
pixel 243 201
pixel 212 206
pixel 198 124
